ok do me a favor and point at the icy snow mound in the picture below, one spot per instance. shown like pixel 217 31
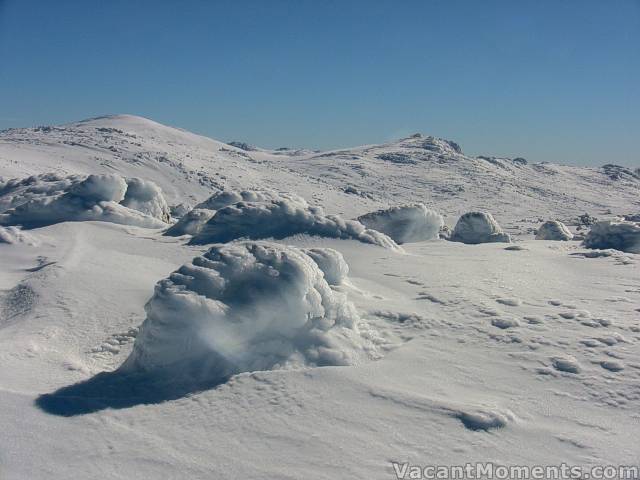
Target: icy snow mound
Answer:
pixel 191 223
pixel 146 197
pixel 554 230
pixel 47 199
pixel 13 235
pixel 224 198
pixel 245 306
pixel 331 262
pixel 280 219
pixel 405 223
pixel 619 235
pixel 16 192
pixel 478 227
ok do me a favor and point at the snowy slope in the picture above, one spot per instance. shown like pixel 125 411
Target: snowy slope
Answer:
pixel 515 354
pixel 188 167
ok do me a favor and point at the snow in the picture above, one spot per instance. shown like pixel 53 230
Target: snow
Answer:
pixel 191 223
pixel 100 188
pixel 243 307
pixel 619 235
pixel 478 227
pixel 444 353
pixel 405 223
pixel 146 197
pixel 12 235
pixel 225 198
pixel 46 199
pixel 331 263
pixel 553 230
pixel 280 219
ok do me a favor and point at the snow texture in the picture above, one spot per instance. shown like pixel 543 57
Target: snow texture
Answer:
pixel 405 223
pixel 191 223
pixel 13 235
pixel 553 230
pixel 47 199
pixel 331 262
pixel 619 235
pixel 280 219
pixel 146 197
pixel 225 198
pixel 242 307
pixel 478 227
pixel 179 210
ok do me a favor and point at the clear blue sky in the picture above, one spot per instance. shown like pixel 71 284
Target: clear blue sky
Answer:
pixel 544 79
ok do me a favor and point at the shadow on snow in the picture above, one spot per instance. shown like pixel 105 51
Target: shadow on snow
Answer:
pixel 119 390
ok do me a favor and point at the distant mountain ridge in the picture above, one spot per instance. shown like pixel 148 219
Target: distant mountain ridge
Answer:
pixel 188 167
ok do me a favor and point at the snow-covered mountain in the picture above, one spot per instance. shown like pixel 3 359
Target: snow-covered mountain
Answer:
pixel 189 167
pixel 295 326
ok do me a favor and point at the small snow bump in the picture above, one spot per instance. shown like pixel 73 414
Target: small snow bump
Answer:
pixel 566 364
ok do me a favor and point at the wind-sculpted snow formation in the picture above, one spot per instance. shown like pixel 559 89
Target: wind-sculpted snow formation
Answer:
pixel 619 235
pixel 191 223
pixel 225 198
pixel 478 227
pixel 331 262
pixel 405 223
pixel 280 218
pixel 13 235
pixel 146 197
pixel 554 230
pixel 247 306
pixel 42 200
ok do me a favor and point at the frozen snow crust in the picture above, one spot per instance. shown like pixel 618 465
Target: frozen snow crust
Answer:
pixel 278 216
pixel 46 199
pixel 478 227
pixel 554 230
pixel 621 235
pixel 248 306
pixel 405 223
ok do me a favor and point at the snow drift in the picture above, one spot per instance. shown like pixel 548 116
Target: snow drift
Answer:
pixel 146 197
pixel 330 262
pixel 246 306
pixel 405 223
pixel 191 223
pixel 13 235
pixel 47 199
pixel 619 235
pixel 554 230
pixel 478 227
pixel 224 198
pixel 283 218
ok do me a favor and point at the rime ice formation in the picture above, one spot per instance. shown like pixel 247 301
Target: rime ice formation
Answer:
pixel 478 227
pixel 405 223
pixel 553 230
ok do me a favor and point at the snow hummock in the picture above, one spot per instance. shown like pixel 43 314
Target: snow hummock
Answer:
pixel 283 218
pixel 146 197
pixel 191 223
pixel 331 262
pixel 224 198
pixel 554 230
pixel 405 223
pixel 245 306
pixel 478 227
pixel 619 235
pixel 47 199
pixel 13 235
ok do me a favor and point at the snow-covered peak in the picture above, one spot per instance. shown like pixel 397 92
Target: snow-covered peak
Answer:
pixel 428 143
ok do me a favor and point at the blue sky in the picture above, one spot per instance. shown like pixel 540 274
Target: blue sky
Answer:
pixel 545 79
